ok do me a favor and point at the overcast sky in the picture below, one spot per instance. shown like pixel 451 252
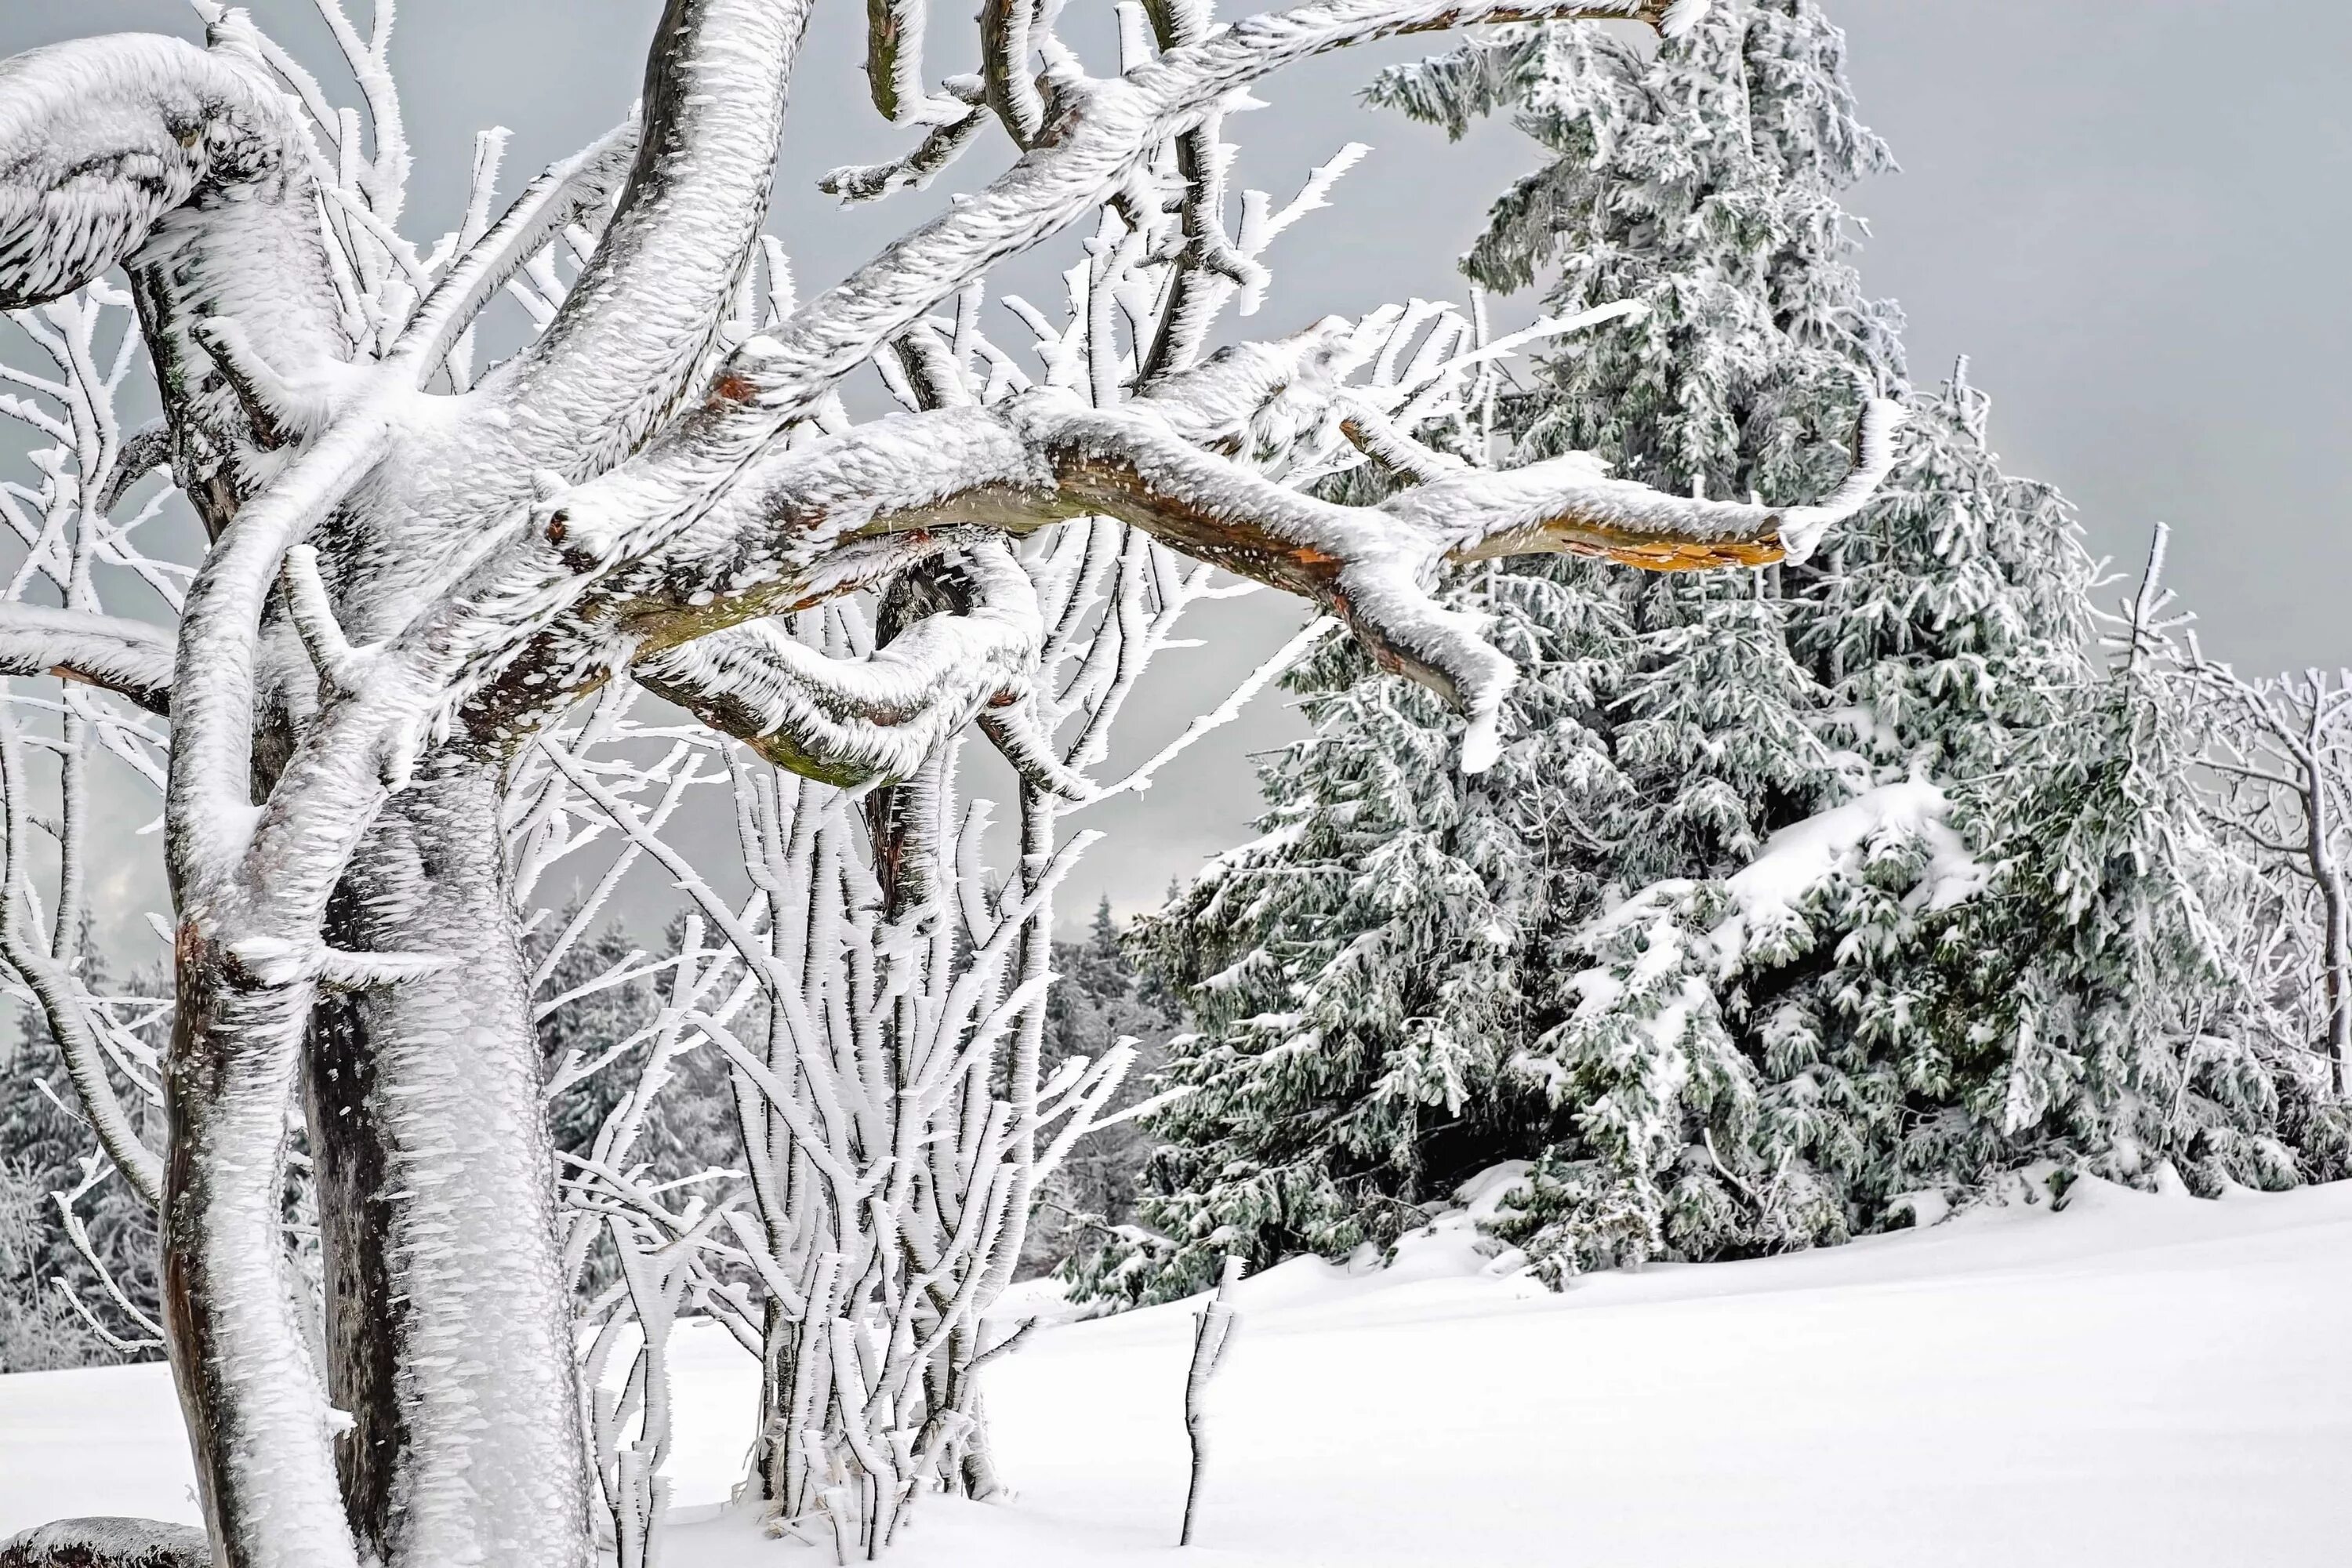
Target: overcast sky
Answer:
pixel 2130 214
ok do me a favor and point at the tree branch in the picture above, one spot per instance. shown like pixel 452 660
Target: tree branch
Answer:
pixel 144 451
pixel 1046 457
pixel 128 657
pixel 1083 157
pixel 568 191
pixel 1103 131
pixel 54 986
pixel 209 800
pixel 639 329
pixel 1210 262
pixel 107 1544
pixel 911 170
pixel 102 138
pixel 1004 66
pixel 877 719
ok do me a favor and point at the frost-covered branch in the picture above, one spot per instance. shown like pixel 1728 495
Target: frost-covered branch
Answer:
pixel 912 170
pixel 570 191
pixel 220 645
pixel 103 138
pixel 1102 132
pixel 73 1023
pixel 129 657
pixel 1106 125
pixel 847 721
pixel 107 1544
pixel 1045 457
pixel 1278 664
pixel 640 325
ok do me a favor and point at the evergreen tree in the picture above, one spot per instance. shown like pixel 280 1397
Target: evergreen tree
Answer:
pixel 1355 974
pixel 2096 979
pixel 1702 184
pixel 1807 901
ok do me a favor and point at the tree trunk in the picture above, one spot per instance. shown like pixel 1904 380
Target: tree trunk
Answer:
pixel 448 1318
pixel 347 1154
pixel 2338 962
pixel 450 1331
pixel 248 1381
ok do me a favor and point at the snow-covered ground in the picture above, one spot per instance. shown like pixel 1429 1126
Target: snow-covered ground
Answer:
pixel 2139 1380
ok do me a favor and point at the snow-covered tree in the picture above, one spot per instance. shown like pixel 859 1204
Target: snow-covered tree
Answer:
pixel 1355 974
pixel 412 569
pixel 1706 182
pixel 2280 754
pixel 80 1262
pixel 1665 725
pixel 1829 961
pixel 585 1013
pixel 1702 179
pixel 1942 636
pixel 2098 979
pixel 1970 737
pixel 2030 956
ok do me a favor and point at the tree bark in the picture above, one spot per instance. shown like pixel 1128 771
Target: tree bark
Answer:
pixel 347 1157
pixel 453 1334
pixel 248 1379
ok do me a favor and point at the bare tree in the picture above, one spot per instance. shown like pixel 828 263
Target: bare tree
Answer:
pixel 86 351
pixel 413 572
pixel 2281 750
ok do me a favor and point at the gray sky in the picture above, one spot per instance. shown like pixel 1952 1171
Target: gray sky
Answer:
pixel 2132 216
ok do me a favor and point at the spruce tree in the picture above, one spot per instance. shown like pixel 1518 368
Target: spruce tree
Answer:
pixel 1813 901
pixel 1375 979
pixel 2097 977
pixel 1355 974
